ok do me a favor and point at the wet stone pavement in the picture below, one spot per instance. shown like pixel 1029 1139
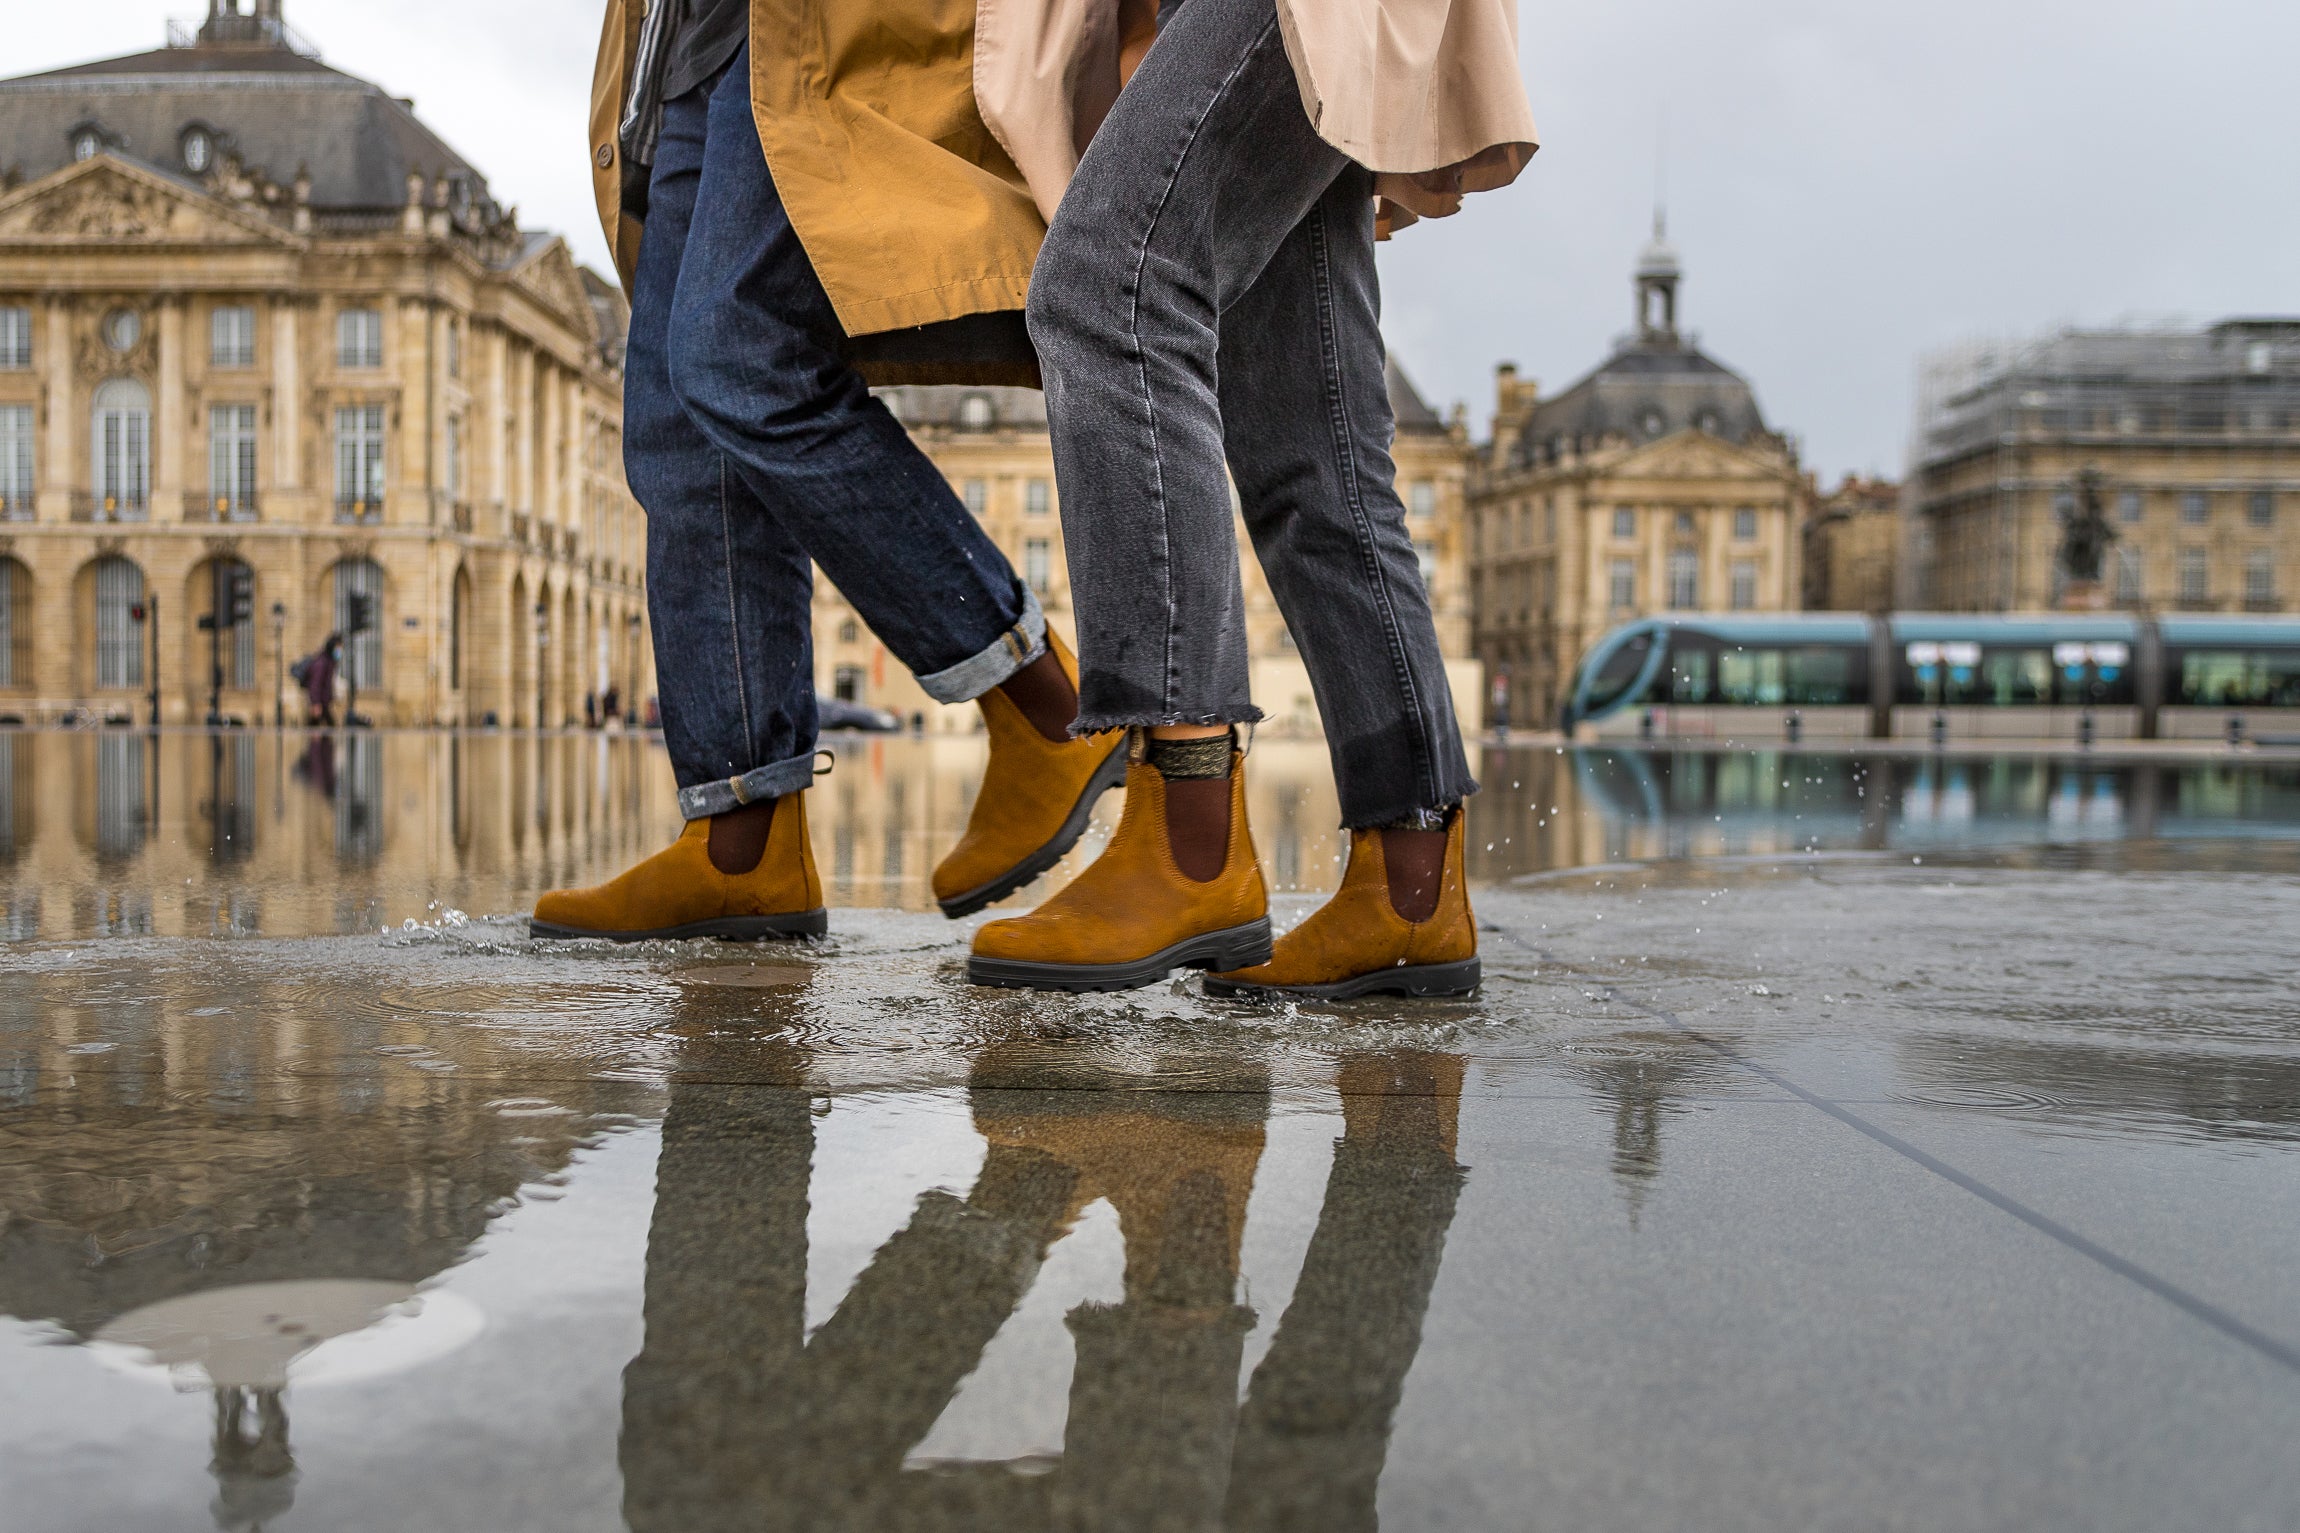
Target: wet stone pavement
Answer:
pixel 1836 1143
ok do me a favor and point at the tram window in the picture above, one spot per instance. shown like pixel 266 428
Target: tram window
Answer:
pixel 2223 678
pixel 1618 673
pixel 1961 673
pixel 1688 674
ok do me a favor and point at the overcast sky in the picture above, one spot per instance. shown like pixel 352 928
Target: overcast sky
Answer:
pixel 1849 184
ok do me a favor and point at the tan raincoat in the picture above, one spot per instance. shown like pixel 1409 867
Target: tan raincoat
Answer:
pixel 921 145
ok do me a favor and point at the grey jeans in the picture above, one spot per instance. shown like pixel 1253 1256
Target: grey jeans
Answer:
pixel 1207 292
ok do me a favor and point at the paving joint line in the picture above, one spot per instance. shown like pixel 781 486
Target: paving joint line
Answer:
pixel 2194 1306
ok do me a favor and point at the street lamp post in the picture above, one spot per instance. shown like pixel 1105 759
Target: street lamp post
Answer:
pixel 279 663
pixel 542 658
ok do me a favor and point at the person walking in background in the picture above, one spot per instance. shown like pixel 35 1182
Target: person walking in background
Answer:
pixel 797 216
pixel 1207 293
pixel 318 673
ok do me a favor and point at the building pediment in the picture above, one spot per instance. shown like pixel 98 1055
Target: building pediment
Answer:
pixel 1697 455
pixel 549 277
pixel 110 201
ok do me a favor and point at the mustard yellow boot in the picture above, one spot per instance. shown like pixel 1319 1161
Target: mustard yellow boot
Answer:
pixel 1037 795
pixel 1133 917
pixel 1358 944
pixel 678 893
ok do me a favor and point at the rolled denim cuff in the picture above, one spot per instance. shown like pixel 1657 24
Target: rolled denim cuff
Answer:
pixel 755 786
pixel 1010 652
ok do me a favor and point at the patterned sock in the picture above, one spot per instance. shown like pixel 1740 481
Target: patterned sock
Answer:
pixel 1182 760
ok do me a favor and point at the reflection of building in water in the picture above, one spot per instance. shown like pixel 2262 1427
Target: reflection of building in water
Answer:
pixel 203 1154
pixel 259 831
pixel 1544 809
pixel 1646 1077
pixel 733 1417
pixel 2169 1085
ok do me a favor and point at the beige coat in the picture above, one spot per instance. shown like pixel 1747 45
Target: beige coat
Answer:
pixel 1425 93
pixel 920 145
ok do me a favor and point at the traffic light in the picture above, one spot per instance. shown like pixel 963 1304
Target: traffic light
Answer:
pixel 242 593
pixel 360 610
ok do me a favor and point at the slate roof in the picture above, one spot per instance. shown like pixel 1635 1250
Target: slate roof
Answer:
pixel 277 110
pixel 1645 391
pixel 1413 412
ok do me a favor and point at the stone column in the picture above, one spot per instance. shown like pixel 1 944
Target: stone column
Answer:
pixel 287 403
pixel 65 433
pixel 171 423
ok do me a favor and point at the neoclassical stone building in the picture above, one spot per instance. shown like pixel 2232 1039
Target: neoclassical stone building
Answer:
pixel 1651 485
pixel 2193 437
pixel 256 317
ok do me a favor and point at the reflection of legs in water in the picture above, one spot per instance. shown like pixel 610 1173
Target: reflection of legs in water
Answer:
pixel 1315 1429
pixel 254 1468
pixel 731 1417
pixel 715 1392
pixel 1154 1390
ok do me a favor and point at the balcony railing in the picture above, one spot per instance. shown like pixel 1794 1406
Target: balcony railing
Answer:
pixel 460 515
pixel 354 509
pixel 88 506
pixel 14 507
pixel 219 508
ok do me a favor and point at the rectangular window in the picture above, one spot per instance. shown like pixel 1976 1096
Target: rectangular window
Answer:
pixel 2260 579
pixel 2128 581
pixel 1421 498
pixel 2128 506
pixel 1038 564
pixel 454 348
pixel 359 463
pixel 2195 508
pixel 976 494
pixel 1624 583
pixel 1684 579
pixel 1744 585
pixel 1685 522
pixel 1037 497
pixel 1425 555
pixel 847 684
pixel 16 477
pixel 1625 521
pixel 15 337
pixel 2195 576
pixel 2260 508
pixel 232 461
pixel 1745 523
pixel 455 457
pixel 359 338
pixel 1549 516
pixel 232 337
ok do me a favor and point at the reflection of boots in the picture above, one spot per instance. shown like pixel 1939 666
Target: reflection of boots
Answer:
pixel 1134 917
pixel 1358 944
pixel 1036 797
pixel 678 892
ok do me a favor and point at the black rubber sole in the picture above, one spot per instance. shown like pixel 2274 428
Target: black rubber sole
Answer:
pixel 1235 947
pixel 802 923
pixel 1426 979
pixel 1109 775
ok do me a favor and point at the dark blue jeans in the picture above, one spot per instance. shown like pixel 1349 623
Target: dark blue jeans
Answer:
pixel 1207 293
pixel 756 453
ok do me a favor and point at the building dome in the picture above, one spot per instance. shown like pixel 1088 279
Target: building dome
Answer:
pixel 1656 384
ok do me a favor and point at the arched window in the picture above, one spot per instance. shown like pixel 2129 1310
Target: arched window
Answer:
pixel 458 615
pixel 976 413
pixel 119 623
pixel 15 624
pixel 363 652
pixel 121 471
